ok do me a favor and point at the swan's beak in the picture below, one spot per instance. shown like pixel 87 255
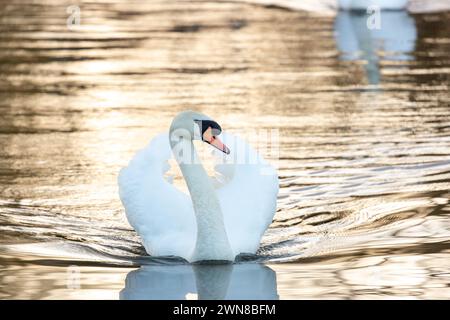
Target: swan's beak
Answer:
pixel 208 137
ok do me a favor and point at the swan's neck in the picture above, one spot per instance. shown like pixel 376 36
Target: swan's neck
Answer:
pixel 212 241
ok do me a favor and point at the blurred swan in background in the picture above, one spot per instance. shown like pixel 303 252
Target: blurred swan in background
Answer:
pixel 331 7
pixel 214 223
pixel 203 282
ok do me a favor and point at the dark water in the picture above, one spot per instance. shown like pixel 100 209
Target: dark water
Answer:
pixel 364 155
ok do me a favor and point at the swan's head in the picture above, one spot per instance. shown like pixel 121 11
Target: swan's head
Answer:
pixel 196 126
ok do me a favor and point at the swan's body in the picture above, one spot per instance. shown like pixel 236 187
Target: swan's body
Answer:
pixel 364 4
pixel 210 282
pixel 211 224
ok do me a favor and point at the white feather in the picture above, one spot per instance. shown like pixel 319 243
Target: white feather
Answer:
pixel 163 216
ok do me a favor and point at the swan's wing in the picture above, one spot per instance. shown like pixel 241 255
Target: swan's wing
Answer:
pixel 161 214
pixel 248 195
pixel 153 282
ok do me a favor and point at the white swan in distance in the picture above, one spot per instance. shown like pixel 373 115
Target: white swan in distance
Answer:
pixel 213 223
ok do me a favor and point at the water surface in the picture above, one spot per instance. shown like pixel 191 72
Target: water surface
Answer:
pixel 364 145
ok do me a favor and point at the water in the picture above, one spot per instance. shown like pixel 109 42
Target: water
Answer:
pixel 364 125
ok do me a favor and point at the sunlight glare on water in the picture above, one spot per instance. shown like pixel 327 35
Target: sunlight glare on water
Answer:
pixel 363 120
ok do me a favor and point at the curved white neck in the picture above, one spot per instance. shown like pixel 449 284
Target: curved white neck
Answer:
pixel 212 241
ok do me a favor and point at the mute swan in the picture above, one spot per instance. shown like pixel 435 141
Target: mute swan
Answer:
pixel 211 224
pixel 364 4
pixel 394 41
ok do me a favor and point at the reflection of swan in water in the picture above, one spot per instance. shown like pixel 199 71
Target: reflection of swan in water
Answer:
pixel 202 281
pixel 220 218
pixel 393 41
pixel 329 7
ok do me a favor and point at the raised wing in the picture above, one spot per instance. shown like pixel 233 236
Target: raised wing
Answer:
pixel 161 214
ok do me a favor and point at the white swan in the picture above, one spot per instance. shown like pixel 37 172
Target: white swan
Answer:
pixel 202 282
pixel 364 4
pixel 212 224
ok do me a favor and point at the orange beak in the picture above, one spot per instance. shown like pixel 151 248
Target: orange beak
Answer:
pixel 208 137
